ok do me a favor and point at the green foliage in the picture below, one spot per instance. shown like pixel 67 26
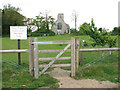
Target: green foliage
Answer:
pixel 11 17
pixel 116 31
pixel 100 36
pixel 0 22
pixel 29 31
pixel 43 23
pixel 76 33
pixel 41 32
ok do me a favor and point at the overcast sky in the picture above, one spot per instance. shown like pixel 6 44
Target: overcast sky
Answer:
pixel 104 12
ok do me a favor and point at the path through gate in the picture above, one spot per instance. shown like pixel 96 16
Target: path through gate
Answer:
pixel 33 55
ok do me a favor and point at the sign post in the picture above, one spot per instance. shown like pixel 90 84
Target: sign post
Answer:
pixel 19 59
pixel 17 33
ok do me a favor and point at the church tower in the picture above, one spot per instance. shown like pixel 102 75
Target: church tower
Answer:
pixel 61 27
pixel 61 16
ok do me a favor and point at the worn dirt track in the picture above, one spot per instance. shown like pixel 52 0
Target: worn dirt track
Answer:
pixel 67 82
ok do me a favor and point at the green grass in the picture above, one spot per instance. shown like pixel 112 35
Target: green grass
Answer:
pixel 16 77
pixel 106 69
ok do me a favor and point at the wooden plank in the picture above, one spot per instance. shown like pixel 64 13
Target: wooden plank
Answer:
pixel 61 58
pixel 52 42
pixel 72 57
pixel 47 66
pixel 76 53
pixel 50 72
pixel 81 53
pixel 99 49
pixel 56 65
pixel 35 59
pixel 31 56
pixel 82 50
pixel 14 51
pixel 49 51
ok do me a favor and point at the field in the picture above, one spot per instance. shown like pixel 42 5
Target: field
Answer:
pixel 15 76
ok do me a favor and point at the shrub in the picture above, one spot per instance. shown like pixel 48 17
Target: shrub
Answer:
pixel 100 36
pixel 42 32
pixel 76 33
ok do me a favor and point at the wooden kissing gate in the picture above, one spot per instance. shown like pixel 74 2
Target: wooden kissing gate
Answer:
pixel 33 56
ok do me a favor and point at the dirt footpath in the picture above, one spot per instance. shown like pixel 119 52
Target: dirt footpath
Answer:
pixel 67 82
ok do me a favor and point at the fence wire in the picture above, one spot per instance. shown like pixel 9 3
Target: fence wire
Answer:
pixel 82 67
pixel 94 61
pixel 13 64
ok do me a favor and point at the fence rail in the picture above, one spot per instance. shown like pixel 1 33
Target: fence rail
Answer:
pixel 56 65
pixel 14 51
pixel 49 51
pixel 99 49
pixel 81 50
pixel 51 58
pixel 52 42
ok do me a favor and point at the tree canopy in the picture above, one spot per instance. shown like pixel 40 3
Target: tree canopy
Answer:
pixel 43 23
pixel 116 31
pixel 100 36
pixel 11 17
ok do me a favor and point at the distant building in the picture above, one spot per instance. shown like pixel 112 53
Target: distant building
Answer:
pixel 61 27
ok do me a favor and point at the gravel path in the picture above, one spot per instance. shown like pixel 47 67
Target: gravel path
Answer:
pixel 67 82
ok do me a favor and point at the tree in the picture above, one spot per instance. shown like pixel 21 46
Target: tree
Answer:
pixel 115 31
pixel 11 17
pixel 43 22
pixel 27 22
pixel 0 22
pixel 48 21
pixel 100 36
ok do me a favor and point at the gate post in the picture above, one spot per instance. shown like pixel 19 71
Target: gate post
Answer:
pixel 35 59
pixel 77 52
pixel 31 56
pixel 74 55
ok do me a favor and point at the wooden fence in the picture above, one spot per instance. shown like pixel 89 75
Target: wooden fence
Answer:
pixel 33 56
pixel 68 50
pixel 14 51
pixel 74 43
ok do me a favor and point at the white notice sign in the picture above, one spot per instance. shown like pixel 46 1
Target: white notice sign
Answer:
pixel 18 32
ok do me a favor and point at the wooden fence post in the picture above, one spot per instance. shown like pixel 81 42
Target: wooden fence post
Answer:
pixel 81 53
pixel 76 54
pixel 72 57
pixel 36 59
pixel 31 55
pixel 103 53
pixel 110 53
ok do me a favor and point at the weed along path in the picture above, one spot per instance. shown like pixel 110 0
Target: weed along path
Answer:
pixel 67 82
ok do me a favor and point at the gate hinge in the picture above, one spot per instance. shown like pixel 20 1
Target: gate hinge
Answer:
pixel 77 46
pixel 35 69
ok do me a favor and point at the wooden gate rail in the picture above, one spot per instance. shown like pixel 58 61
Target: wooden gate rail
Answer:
pixel 49 51
pixel 81 50
pixel 61 58
pixel 74 43
pixel 52 42
pixel 56 65
pixel 14 51
pixel 33 55
pixel 47 66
